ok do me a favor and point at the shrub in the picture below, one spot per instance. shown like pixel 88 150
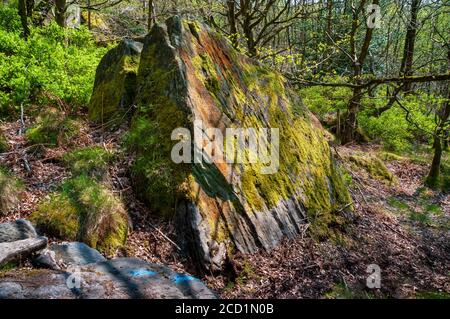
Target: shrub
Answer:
pixel 55 62
pixel 325 101
pixel 84 209
pixel 393 129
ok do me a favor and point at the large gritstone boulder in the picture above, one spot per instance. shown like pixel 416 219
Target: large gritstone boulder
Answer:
pixel 115 83
pixel 190 77
pixel 121 278
pixel 16 230
pixel 76 253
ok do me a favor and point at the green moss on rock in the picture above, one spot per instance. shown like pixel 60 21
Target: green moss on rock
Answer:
pixel 188 73
pixel 115 83
pixel 373 166
pixel 156 177
pixel 84 210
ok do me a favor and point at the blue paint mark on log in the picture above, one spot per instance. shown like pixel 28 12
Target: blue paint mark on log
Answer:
pixel 141 272
pixel 179 278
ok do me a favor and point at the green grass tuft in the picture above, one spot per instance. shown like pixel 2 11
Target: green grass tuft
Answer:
pixel 53 128
pixel 10 189
pixel 91 161
pixel 85 210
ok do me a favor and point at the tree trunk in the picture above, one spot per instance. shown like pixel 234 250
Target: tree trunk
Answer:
pixel 350 125
pixel 329 19
pixel 441 135
pixel 89 14
pixel 60 12
pixel 406 68
pixel 231 14
pixel 30 8
pixel 24 17
pixel 433 175
pixel 151 18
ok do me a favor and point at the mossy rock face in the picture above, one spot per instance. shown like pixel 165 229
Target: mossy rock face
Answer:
pixel 10 190
pixel 84 210
pixel 188 73
pixel 115 83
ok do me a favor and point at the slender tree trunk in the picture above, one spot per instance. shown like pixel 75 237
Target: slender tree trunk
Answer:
pixel 446 139
pixel 151 18
pixel 350 125
pixel 60 13
pixel 410 42
pixel 441 136
pixel 231 14
pixel 329 18
pixel 22 6
pixel 30 8
pixel 433 175
pixel 89 14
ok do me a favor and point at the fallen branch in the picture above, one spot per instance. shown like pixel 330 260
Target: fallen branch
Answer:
pixel 375 81
pixel 163 235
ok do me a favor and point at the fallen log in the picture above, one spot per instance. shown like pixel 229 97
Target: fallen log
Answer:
pixel 18 250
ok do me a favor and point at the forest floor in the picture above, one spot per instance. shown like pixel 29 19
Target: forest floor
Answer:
pixel 398 225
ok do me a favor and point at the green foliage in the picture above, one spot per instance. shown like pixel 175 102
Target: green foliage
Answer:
pixel 325 101
pixel 52 128
pixel 10 188
pixel 54 63
pixel 84 209
pixel 398 204
pixel 432 295
pixel 396 128
pixel 247 272
pixel 420 217
pixel 9 19
pixel 342 291
pixel 91 161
